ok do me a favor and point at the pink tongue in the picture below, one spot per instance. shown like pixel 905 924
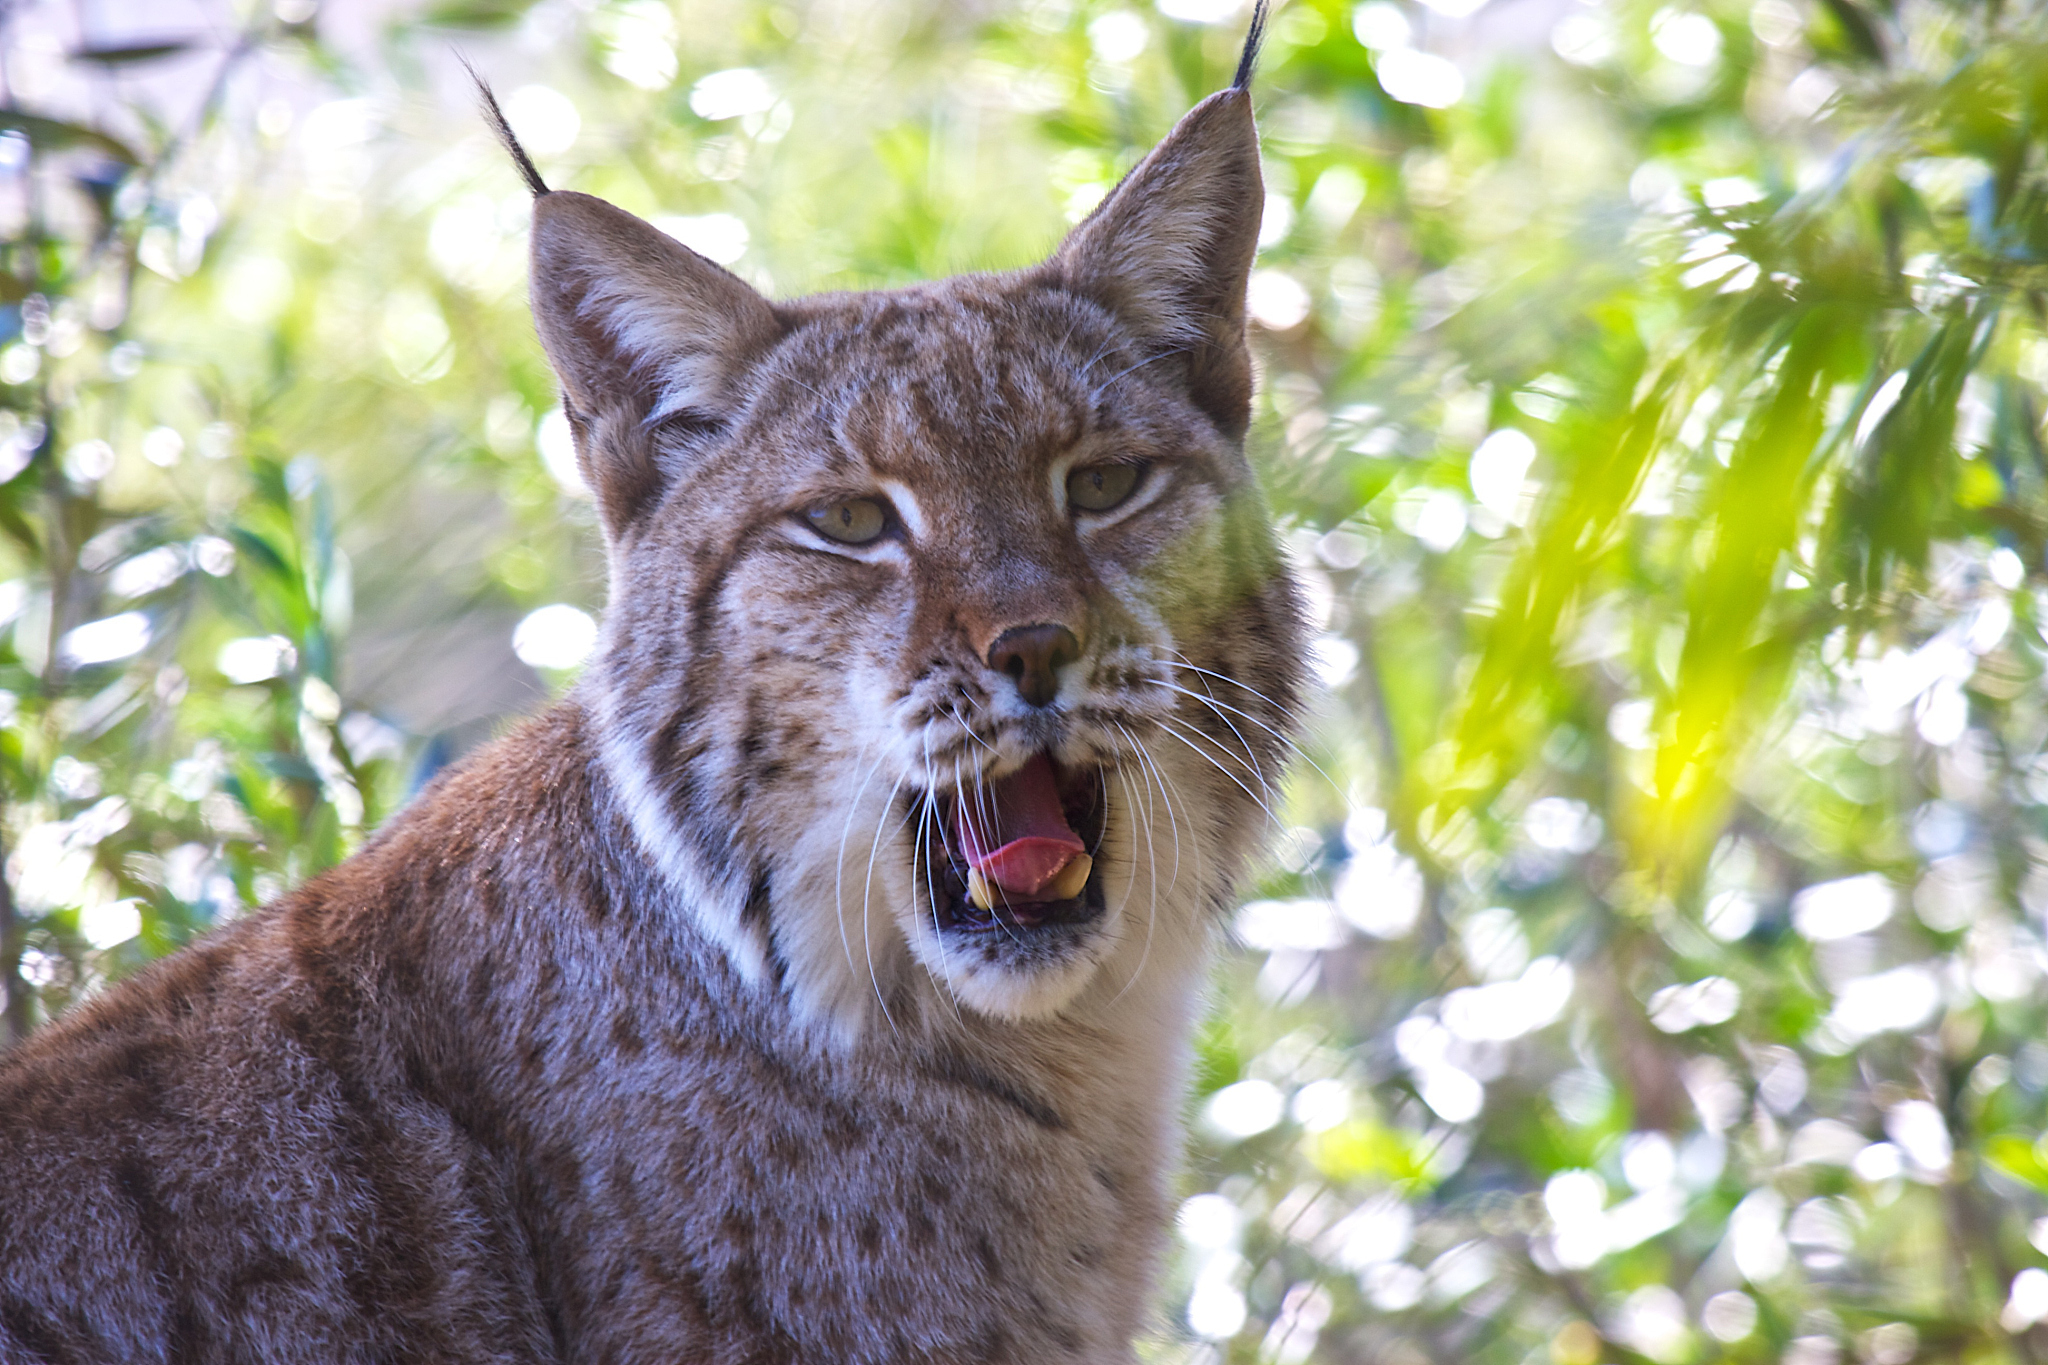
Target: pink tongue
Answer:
pixel 1014 833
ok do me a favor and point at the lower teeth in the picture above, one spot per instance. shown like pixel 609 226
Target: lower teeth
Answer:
pixel 1063 887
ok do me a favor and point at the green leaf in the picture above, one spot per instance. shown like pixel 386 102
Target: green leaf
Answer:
pixel 1362 1151
pixel 248 543
pixel 1890 502
pixel 2014 1154
pixel 476 14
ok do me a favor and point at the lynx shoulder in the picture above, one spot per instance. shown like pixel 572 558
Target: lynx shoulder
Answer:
pixel 812 983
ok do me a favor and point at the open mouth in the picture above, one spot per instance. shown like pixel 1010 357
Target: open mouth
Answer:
pixel 1020 853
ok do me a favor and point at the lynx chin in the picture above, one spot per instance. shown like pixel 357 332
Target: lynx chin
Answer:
pixel 812 983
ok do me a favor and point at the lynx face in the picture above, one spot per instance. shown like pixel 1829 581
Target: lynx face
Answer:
pixel 948 650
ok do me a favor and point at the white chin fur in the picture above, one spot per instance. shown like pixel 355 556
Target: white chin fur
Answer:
pixel 1015 993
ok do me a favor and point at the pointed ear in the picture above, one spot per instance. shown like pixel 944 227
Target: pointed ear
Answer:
pixel 641 331
pixel 1169 250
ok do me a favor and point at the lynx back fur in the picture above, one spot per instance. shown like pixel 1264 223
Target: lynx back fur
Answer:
pixel 812 983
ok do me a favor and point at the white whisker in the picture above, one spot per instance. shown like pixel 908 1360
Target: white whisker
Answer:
pixel 1102 780
pixel 1152 863
pixel 981 806
pixel 867 895
pixel 1173 819
pixel 1096 394
pixel 1096 359
pixel 1193 839
pixel 921 846
pixel 1215 704
pixel 1242 741
pixel 1286 739
pixel 960 720
pixel 839 870
pixel 1170 728
pixel 1286 712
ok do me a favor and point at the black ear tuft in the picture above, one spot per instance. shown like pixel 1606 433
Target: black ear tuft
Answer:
pixel 1253 39
pixel 495 116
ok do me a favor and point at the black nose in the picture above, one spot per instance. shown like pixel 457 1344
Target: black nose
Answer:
pixel 1032 656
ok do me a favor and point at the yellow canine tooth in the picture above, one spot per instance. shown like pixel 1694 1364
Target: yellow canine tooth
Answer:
pixel 1065 885
pixel 1071 878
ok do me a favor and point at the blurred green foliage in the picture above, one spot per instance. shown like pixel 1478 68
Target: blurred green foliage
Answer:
pixel 1651 966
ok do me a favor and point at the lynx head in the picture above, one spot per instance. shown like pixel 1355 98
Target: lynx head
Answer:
pixel 948 651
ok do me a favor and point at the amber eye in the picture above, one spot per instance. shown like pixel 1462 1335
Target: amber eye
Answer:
pixel 1100 487
pixel 852 521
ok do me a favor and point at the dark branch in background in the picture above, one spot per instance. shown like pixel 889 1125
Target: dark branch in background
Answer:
pixel 14 992
pixel 246 43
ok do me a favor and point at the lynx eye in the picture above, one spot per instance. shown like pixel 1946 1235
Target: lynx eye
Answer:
pixel 850 521
pixel 1100 487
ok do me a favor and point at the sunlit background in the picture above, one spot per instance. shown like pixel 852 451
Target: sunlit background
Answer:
pixel 1650 966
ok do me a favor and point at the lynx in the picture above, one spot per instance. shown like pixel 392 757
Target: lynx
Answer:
pixel 812 983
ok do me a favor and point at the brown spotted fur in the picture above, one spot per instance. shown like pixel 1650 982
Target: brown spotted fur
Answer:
pixel 634 1039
